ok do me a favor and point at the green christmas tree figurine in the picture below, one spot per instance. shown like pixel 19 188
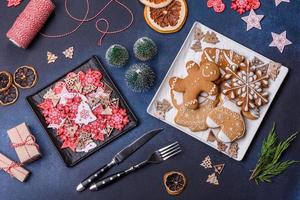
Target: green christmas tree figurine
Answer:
pixel 117 55
pixel 140 77
pixel 144 49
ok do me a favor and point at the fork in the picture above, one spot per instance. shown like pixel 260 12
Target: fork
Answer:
pixel 156 157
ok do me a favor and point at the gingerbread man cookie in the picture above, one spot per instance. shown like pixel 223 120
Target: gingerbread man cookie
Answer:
pixel 199 79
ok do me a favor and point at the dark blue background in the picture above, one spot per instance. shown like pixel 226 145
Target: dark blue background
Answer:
pixel 50 178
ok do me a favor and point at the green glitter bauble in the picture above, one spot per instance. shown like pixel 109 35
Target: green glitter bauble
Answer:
pixel 140 77
pixel 117 55
pixel 144 49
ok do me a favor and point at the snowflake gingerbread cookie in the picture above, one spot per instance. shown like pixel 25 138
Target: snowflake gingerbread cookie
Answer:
pixel 247 87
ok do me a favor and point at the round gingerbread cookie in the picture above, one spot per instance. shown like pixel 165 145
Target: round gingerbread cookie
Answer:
pixel 9 96
pixel 5 80
pixel 168 19
pixel 25 77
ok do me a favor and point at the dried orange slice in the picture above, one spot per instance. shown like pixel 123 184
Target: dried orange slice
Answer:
pixel 25 77
pixel 5 80
pixel 9 96
pixel 156 3
pixel 168 19
pixel 174 182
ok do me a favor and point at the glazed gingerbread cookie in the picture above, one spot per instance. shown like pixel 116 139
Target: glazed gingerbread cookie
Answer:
pixel 195 120
pixel 199 79
pixel 222 57
pixel 247 88
pixel 227 116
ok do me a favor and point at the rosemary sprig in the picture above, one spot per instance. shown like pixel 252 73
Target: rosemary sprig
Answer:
pixel 269 164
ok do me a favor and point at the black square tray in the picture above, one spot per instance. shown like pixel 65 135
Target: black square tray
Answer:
pixel 69 157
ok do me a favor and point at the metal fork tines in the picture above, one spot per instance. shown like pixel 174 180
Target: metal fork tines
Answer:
pixel 168 151
pixel 156 157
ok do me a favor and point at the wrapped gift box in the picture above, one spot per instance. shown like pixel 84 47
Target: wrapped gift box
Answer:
pixel 24 143
pixel 13 169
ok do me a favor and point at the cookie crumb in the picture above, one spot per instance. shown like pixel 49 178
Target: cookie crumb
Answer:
pixel 51 57
pixel 206 163
pixel 198 34
pixel 256 62
pixel 273 70
pixel 219 168
pixel 69 52
pixel 233 150
pixel 212 179
pixel 222 146
pixel 211 38
pixel 161 108
pixel 197 47
pixel 211 136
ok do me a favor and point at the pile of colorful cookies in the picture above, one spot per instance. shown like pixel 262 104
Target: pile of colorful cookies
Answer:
pixel 165 16
pixel 82 110
pixel 24 77
pixel 221 92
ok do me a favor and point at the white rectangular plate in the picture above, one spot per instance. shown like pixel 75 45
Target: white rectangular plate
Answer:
pixel 178 69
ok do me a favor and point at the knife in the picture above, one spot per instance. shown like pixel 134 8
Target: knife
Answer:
pixel 118 158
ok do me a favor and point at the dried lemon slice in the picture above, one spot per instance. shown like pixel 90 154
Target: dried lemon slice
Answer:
pixel 156 3
pixel 9 96
pixel 174 182
pixel 5 80
pixel 168 19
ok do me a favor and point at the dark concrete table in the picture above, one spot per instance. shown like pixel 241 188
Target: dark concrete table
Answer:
pixel 50 178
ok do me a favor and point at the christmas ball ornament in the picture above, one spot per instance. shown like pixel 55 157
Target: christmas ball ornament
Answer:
pixel 117 55
pixel 140 77
pixel 144 49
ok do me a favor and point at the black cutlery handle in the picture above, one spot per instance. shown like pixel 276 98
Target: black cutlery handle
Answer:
pixel 109 180
pixel 96 175
pixel 117 176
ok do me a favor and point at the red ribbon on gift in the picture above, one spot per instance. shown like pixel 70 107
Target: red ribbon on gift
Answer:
pixel 9 168
pixel 30 140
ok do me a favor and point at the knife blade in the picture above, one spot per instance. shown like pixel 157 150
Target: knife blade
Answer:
pixel 118 158
pixel 131 148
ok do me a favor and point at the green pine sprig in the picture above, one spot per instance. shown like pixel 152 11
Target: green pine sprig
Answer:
pixel 269 164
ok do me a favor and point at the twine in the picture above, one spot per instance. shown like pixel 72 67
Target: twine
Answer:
pixel 29 140
pixel 10 167
pixel 86 19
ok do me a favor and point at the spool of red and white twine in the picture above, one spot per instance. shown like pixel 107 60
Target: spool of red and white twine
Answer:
pixel 30 22
pixel 36 13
